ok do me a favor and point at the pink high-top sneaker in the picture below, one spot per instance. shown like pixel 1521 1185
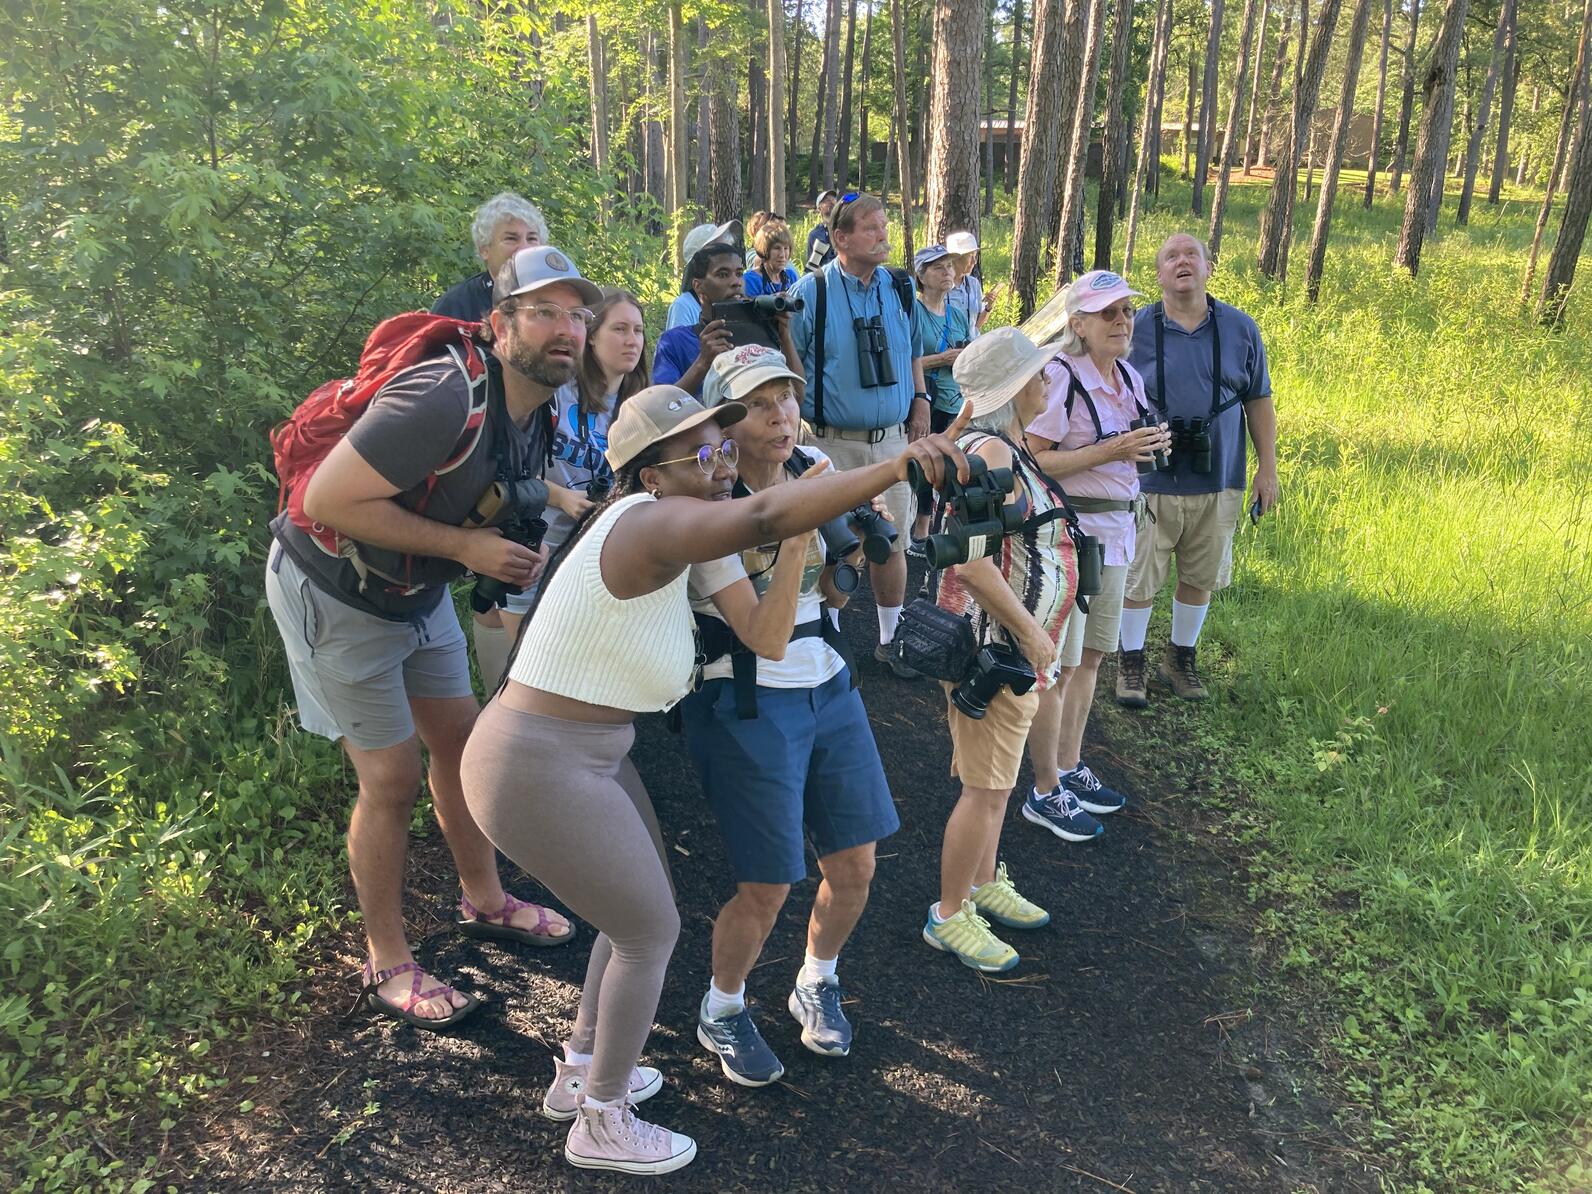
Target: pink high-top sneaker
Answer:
pixel 605 1137
pixel 569 1081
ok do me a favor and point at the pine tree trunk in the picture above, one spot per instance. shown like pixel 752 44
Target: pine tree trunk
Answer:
pixel 1114 132
pixel 1152 181
pixel 1050 83
pixel 1207 134
pixel 1274 90
pixel 843 153
pixel 1506 111
pixel 864 145
pixel 1572 232
pixel 702 187
pixel 1407 103
pixel 953 117
pixel 677 127
pixel 657 157
pixel 1576 87
pixel 1068 233
pixel 1340 139
pixel 757 196
pixel 1254 88
pixel 598 62
pixel 987 83
pixel 1188 113
pixel 1431 146
pixel 724 144
pixel 1443 128
pixel 1154 92
pixel 1381 103
pixel 1276 221
pixel 778 197
pixel 1009 164
pixel 1240 79
pixel 828 66
pixel 1506 17
pixel 903 152
pixel 793 95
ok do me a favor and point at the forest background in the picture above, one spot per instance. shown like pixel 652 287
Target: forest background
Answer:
pixel 205 208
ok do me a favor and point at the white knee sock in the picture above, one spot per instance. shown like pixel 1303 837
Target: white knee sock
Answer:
pixel 889 615
pixel 1135 625
pixel 815 970
pixel 834 617
pixel 491 653
pixel 725 1003
pixel 1186 623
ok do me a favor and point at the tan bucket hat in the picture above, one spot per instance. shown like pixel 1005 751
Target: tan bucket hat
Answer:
pixel 995 366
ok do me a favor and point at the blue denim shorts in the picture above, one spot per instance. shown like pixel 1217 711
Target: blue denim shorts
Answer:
pixel 805 767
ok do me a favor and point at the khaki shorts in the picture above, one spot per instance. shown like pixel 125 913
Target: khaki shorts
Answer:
pixel 1098 629
pixel 850 449
pixel 988 753
pixel 1198 529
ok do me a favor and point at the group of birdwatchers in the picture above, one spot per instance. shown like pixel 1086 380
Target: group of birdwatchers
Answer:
pixel 656 533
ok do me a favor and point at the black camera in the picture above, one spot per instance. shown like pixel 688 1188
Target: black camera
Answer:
pixel 1161 462
pixel 519 498
pixel 874 366
pixel 995 667
pixel 1192 438
pixel 977 516
pixel 756 320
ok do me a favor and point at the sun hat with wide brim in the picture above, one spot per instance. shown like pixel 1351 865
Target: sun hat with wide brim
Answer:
pixel 656 413
pixel 993 368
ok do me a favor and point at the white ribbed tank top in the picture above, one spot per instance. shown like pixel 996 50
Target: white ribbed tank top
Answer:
pixel 586 644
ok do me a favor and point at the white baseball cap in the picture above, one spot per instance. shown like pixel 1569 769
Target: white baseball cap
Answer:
pixel 704 235
pixel 531 269
pixel 995 366
pixel 961 242
pixel 736 373
pixel 656 413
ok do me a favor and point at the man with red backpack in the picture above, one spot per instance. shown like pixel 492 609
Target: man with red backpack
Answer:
pixel 424 466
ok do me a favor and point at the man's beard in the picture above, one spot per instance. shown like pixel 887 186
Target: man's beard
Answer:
pixel 532 364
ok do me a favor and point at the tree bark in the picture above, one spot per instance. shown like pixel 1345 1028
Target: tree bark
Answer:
pixel 778 197
pixel 1276 221
pixel 903 151
pixel 953 117
pixel 1207 135
pixel 1188 112
pixel 656 166
pixel 724 144
pixel 843 153
pixel 1254 87
pixel 1113 133
pixel 1576 88
pixel 1225 169
pixel 821 157
pixel 1431 147
pixel 1572 232
pixel 1506 111
pixel 1443 129
pixel 1274 91
pixel 1407 102
pixel 702 189
pixel 1154 93
pixel 1506 17
pixel 792 98
pixel 986 84
pixel 1381 104
pixel 1067 235
pixel 1050 83
pixel 864 145
pixel 1340 138
pixel 1009 165
pixel 677 129
pixel 598 62
pixel 757 194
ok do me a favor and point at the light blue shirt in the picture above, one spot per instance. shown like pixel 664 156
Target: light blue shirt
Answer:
pixel 684 310
pixel 847 404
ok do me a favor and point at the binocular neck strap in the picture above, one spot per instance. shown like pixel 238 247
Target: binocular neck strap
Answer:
pixel 820 320
pixel 1057 493
pixel 1217 405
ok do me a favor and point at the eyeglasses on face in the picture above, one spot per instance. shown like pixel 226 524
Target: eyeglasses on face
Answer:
pixel 1113 313
pixel 551 313
pixel 704 457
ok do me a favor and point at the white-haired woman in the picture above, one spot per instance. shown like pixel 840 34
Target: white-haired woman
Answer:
pixel 1018 599
pixel 1085 440
pixel 503 225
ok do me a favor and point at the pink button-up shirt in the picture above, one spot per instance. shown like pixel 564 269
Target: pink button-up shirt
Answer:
pixel 1117 479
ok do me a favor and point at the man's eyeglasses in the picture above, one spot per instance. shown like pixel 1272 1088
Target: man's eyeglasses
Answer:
pixel 704 457
pixel 550 313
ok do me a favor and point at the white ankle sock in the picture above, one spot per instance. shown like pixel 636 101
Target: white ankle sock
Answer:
pixel 598 1105
pixel 725 1003
pixel 1187 621
pixel 834 617
pixel 573 1058
pixel 815 970
pixel 1135 625
pixel 889 615
pixel 934 913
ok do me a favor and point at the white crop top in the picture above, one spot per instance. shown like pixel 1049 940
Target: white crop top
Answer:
pixel 636 653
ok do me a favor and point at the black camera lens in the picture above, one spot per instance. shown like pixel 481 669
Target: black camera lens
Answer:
pixel 995 667
pixel 489 591
pixel 599 488
pixel 846 578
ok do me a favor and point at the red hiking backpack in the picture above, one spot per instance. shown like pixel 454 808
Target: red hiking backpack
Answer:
pixel 317 424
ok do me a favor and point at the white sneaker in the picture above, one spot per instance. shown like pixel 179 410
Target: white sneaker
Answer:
pixel 569 1081
pixel 613 1138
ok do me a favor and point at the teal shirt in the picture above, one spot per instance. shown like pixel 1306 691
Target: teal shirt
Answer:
pixel 932 334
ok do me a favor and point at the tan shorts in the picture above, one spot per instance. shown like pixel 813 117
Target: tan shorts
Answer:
pixel 850 449
pixel 1098 629
pixel 988 753
pixel 1198 529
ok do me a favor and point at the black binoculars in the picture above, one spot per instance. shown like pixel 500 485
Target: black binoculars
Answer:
pixel 1192 438
pixel 977 516
pixel 489 591
pixel 519 498
pixel 841 540
pixel 996 666
pixel 874 366
pixel 1091 559
pixel 1161 462
pixel 599 487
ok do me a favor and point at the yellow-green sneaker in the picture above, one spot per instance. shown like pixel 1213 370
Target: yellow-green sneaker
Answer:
pixel 1000 901
pixel 966 934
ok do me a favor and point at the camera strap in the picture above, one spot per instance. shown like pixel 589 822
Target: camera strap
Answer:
pixel 1217 405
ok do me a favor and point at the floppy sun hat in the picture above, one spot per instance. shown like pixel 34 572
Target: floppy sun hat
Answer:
pixel 993 368
pixel 656 413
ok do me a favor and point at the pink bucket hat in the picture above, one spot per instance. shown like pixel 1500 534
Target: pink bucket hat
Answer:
pixel 1097 290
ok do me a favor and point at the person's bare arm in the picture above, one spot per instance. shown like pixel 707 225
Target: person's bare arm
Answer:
pixel 765 623
pixel 349 495
pixel 1139 444
pixel 715 339
pixel 1261 417
pixel 918 412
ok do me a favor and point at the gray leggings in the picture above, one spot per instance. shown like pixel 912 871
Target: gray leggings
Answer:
pixel 563 800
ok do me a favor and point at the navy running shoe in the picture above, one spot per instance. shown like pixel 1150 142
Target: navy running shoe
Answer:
pixel 816 1007
pixel 1060 812
pixel 742 1052
pixel 1093 795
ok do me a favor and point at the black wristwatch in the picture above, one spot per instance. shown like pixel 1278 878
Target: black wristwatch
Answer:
pixel 923 394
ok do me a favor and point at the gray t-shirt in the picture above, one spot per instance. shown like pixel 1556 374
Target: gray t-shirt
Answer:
pixel 1188 391
pixel 410 429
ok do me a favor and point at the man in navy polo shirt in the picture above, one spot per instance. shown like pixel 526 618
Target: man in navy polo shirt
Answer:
pixel 1204 368
pixel 859 424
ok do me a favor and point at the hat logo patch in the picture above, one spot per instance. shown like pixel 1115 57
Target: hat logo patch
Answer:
pixel 1105 281
pixel 674 404
pixel 752 352
pixel 557 261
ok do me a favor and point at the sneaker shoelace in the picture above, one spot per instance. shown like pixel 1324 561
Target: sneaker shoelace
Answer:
pixel 641 1133
pixel 1087 780
pixel 827 997
pixel 1064 802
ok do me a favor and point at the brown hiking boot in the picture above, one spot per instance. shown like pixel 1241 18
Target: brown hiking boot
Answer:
pixel 1131 689
pixel 1177 669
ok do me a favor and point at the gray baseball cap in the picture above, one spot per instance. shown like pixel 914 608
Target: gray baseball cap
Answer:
pixel 531 269
pixel 703 235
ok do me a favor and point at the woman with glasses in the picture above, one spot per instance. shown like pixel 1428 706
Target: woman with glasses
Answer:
pixel 1086 441
pixel 772 272
pixel 547 773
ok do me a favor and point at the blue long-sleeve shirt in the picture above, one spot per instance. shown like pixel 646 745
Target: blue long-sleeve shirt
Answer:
pixel 847 404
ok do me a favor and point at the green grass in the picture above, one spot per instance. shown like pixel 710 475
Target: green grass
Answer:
pixel 1409 645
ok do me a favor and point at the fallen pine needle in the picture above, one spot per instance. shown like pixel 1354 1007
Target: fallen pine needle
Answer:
pixel 1098 1178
